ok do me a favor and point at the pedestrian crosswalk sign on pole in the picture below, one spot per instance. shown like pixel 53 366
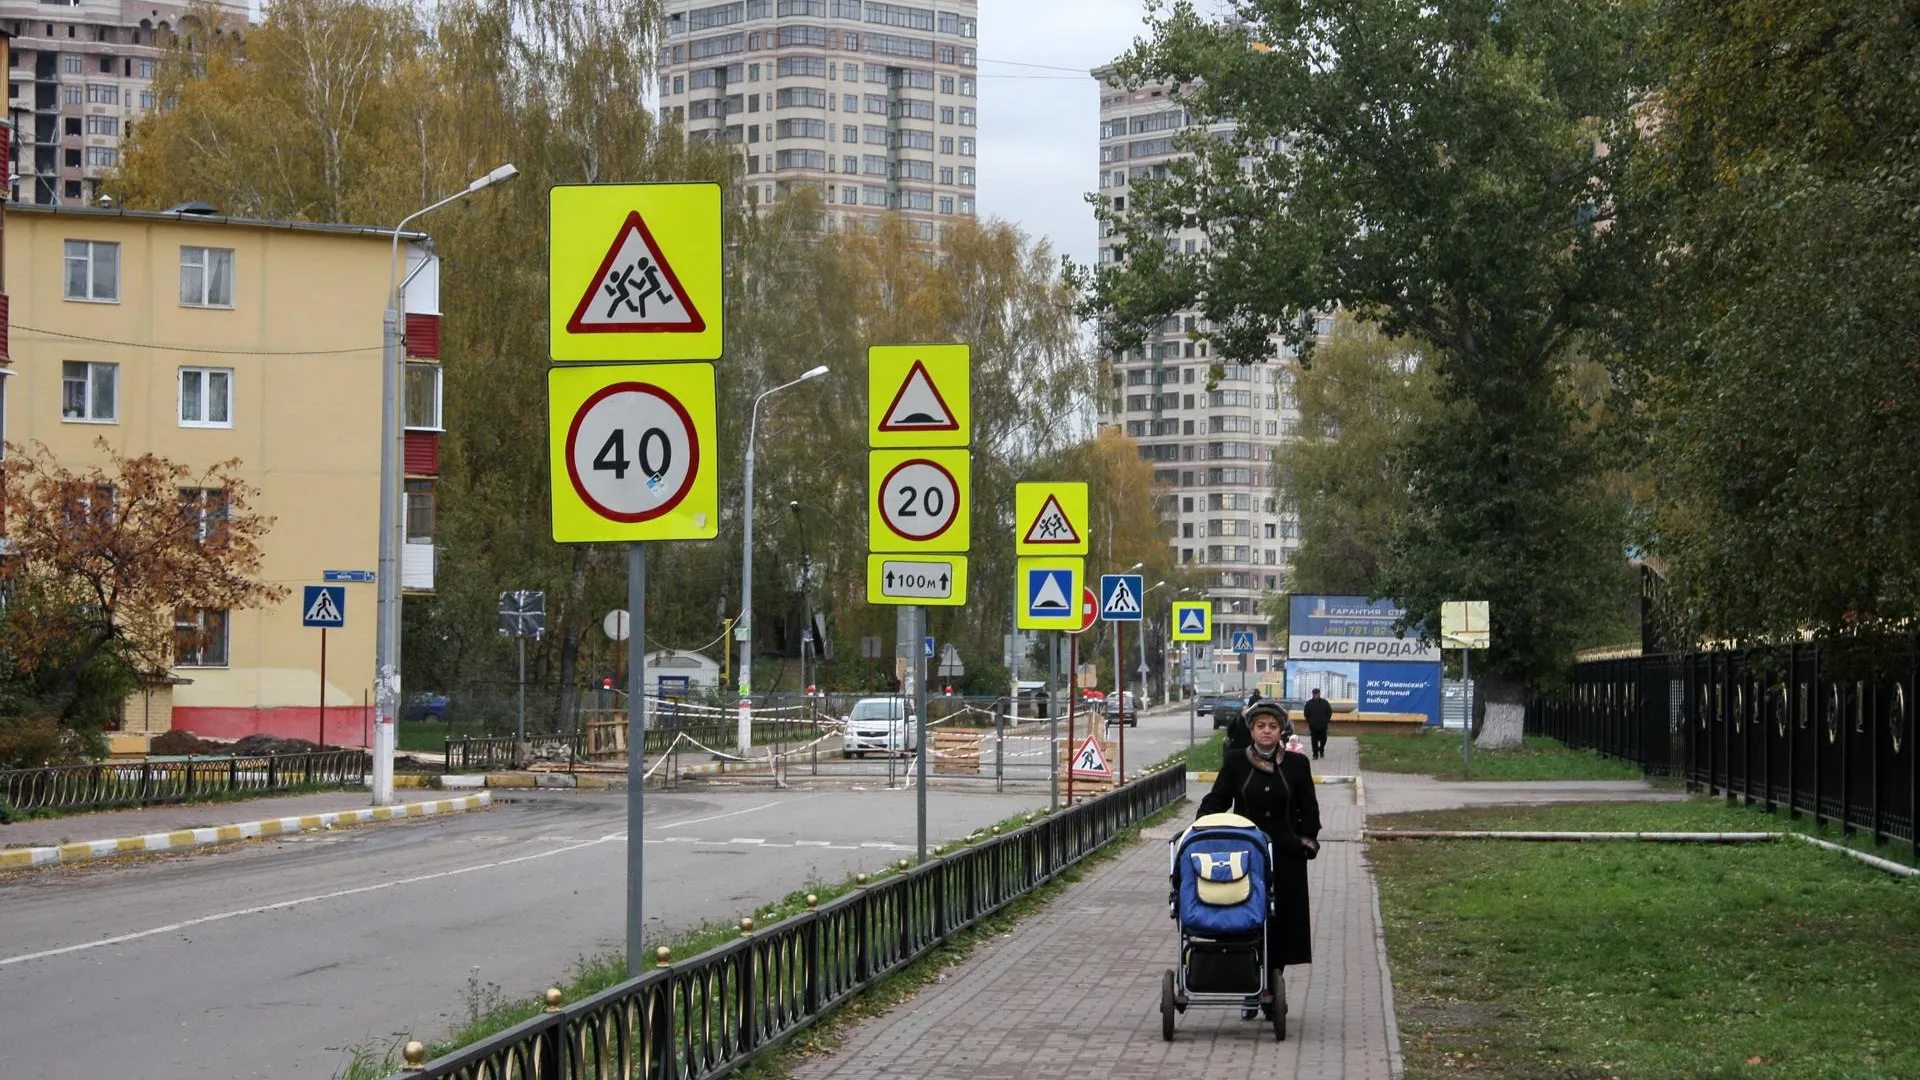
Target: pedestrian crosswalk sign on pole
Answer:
pixel 1091 760
pixel 1192 620
pixel 324 606
pixel 1243 641
pixel 1120 597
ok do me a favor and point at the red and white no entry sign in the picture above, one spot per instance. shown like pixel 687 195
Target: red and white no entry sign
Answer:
pixel 632 452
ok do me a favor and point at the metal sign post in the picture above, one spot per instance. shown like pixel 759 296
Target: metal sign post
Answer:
pixel 322 740
pixel 1053 722
pixel 636 753
pixel 919 662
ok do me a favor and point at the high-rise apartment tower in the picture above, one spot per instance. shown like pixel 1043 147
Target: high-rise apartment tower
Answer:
pixel 873 105
pixel 1212 450
pixel 80 76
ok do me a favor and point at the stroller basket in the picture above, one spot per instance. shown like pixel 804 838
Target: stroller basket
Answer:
pixel 1220 878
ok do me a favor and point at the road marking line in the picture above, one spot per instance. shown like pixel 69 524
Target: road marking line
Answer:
pixel 728 814
pixel 285 904
pixel 748 840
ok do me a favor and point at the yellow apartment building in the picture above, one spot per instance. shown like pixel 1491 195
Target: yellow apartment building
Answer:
pixel 202 338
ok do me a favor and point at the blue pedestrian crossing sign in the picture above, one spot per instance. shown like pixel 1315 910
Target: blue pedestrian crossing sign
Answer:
pixel 1120 597
pixel 1243 641
pixel 926 648
pixel 324 606
pixel 1049 594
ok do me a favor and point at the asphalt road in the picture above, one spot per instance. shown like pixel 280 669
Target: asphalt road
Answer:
pixel 276 959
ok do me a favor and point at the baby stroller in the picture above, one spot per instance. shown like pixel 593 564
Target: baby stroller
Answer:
pixel 1222 901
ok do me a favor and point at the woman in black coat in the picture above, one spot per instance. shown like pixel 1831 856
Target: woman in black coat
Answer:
pixel 1273 788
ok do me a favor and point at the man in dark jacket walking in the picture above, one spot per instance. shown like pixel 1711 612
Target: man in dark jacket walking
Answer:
pixel 1319 713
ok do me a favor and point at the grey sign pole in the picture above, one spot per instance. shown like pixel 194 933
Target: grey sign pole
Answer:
pixel 1053 721
pixel 920 718
pixel 520 728
pixel 1466 724
pixel 1193 699
pixel 636 751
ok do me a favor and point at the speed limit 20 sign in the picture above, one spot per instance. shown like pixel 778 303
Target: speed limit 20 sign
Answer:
pixel 918 500
pixel 631 452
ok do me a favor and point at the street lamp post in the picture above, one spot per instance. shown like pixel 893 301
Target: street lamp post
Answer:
pixel 386 645
pixel 1143 646
pixel 743 630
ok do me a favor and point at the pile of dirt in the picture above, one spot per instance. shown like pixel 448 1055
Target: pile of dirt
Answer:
pixel 183 743
pixel 262 745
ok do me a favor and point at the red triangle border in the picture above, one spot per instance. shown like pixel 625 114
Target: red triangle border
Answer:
pixel 635 223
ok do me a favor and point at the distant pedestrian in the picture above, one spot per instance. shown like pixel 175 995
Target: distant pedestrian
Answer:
pixel 1319 713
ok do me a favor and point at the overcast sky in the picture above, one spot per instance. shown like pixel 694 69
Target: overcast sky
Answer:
pixel 1040 128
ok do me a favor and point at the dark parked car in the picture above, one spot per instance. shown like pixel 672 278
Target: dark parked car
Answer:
pixel 1226 710
pixel 1203 706
pixel 1122 709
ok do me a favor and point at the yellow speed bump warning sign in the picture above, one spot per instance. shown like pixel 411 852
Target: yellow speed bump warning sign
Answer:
pixel 633 272
pixel 631 452
pixel 919 395
pixel 933 580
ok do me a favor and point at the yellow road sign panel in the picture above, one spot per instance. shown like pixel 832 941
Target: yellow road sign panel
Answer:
pixel 1049 593
pixel 1050 519
pixel 1465 624
pixel 1192 620
pixel 918 500
pixel 633 272
pixel 930 580
pixel 631 452
pixel 919 395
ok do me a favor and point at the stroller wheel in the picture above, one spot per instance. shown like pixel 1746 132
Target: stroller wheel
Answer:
pixel 1278 1010
pixel 1166 1005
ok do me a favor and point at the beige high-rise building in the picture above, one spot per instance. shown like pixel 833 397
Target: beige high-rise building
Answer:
pixel 1212 450
pixel 873 105
pixel 80 77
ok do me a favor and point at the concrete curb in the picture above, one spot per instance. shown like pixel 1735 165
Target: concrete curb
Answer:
pixel 182 839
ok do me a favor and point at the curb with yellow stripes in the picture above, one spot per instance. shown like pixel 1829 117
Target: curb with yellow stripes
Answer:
pixel 181 839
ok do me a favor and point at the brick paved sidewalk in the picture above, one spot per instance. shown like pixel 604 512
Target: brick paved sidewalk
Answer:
pixel 1074 993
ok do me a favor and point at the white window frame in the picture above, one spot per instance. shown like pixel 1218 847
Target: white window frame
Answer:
pixel 6 373
pixel 90 257
pixel 439 397
pixel 205 375
pixel 87 410
pixel 205 266
pixel 198 618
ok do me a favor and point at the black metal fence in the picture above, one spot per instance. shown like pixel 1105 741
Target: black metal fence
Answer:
pixel 1815 729
pixel 108 784
pixel 706 1015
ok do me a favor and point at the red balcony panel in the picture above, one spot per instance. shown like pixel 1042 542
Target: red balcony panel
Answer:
pixel 423 337
pixel 423 453
pixel 6 326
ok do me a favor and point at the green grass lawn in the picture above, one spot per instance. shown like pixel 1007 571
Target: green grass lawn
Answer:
pixel 431 735
pixel 1437 754
pixel 1513 961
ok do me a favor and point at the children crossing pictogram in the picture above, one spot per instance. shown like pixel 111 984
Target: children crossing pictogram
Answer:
pixel 635 290
pixel 1051 526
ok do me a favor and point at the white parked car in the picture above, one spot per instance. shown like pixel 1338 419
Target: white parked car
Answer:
pixel 882 725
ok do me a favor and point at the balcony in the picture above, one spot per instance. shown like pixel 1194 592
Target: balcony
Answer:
pixel 416 567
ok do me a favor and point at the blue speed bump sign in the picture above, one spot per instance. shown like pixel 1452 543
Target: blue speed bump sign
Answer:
pixel 1243 641
pixel 324 606
pixel 1120 597
pixel 1192 620
pixel 1049 594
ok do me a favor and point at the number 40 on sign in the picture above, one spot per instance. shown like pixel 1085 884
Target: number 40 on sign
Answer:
pixel 631 452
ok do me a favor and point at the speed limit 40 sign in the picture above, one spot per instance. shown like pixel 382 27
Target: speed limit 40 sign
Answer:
pixel 631 452
pixel 918 500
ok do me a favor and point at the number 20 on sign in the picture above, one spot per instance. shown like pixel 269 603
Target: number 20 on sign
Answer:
pixel 918 500
pixel 631 452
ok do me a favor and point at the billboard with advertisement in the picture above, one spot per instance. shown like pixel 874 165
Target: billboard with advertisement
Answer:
pixel 1377 689
pixel 1352 628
